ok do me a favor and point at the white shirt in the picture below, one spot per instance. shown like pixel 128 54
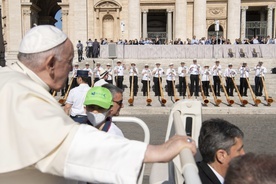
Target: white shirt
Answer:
pixel 146 74
pixel 194 69
pixel 133 71
pixel 205 73
pixel 229 72
pixel 244 72
pixel 76 98
pixel 119 70
pixel 182 71
pixel 216 70
pixel 220 178
pixel 157 72
pixel 109 73
pixel 171 73
pixel 90 72
pixel 96 71
pixel 260 71
pixel 115 130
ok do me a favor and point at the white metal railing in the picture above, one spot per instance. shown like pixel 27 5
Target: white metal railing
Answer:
pixel 146 135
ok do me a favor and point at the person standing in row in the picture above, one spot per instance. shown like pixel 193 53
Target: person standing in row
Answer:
pixel 133 75
pixel 96 48
pixel 110 76
pixel 80 50
pixel 216 71
pixel 230 74
pixel 157 73
pixel 260 70
pixel 74 103
pixel 244 73
pixel 205 79
pixel 146 75
pixel 194 77
pixel 119 72
pixel 96 72
pixel 182 72
pixel 90 73
pixel 74 75
pixel 89 48
pixel 171 74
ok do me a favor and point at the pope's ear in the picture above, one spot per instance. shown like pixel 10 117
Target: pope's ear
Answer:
pixel 50 62
pixel 221 156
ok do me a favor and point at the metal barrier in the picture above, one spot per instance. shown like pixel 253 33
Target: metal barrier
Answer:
pixel 185 115
pixel 146 135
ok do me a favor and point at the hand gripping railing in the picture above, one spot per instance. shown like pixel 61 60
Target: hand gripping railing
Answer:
pixel 146 135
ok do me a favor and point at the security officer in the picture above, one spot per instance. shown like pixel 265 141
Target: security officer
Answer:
pixel 74 103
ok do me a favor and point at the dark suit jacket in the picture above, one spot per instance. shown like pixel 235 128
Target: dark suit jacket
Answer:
pixel 206 175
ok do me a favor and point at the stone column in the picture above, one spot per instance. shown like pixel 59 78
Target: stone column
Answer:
pixel 200 18
pixel 26 23
pixel 243 21
pixel 145 24
pixel 64 15
pixel 269 20
pixel 233 19
pixel 169 24
pixel 134 13
pixel 180 19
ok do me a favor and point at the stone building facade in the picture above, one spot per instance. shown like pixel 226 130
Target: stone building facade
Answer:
pixel 133 19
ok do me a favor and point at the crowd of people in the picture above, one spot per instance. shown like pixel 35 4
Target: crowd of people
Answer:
pixel 38 135
pixel 210 40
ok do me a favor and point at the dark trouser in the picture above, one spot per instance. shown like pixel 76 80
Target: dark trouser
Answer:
pixel 229 86
pixel 80 119
pixel 109 81
pixel 182 86
pixel 194 84
pixel 80 55
pixel 145 87
pixel 119 82
pixel 170 88
pixel 216 85
pixel 205 87
pixel 157 86
pixel 135 83
pixel 74 83
pixel 90 52
pixel 89 82
pixel 258 86
pixel 243 87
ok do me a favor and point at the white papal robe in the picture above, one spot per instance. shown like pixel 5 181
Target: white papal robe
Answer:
pixel 37 135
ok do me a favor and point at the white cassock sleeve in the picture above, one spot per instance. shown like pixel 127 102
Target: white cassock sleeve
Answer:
pixel 99 157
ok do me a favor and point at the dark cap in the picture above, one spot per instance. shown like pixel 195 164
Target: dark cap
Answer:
pixel 82 73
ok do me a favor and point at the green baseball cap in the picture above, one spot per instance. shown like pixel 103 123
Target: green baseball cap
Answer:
pixel 99 96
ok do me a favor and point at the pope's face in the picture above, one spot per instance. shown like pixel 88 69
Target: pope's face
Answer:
pixel 63 66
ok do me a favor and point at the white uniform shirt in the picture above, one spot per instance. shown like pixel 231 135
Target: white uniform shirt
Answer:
pixel 229 72
pixel 119 70
pixel 133 71
pixel 146 74
pixel 74 72
pixel 76 98
pixel 69 150
pixel 216 70
pixel 260 71
pixel 244 72
pixel 109 73
pixel 194 69
pixel 90 72
pixel 205 73
pixel 171 74
pixel 182 71
pixel 157 72
pixel 96 71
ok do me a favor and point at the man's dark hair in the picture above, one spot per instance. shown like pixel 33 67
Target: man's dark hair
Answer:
pixel 84 79
pixel 252 169
pixel 217 134
pixel 113 89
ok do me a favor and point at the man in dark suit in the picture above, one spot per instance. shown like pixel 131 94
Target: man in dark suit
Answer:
pixel 219 141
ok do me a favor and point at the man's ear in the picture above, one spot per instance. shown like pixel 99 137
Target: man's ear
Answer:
pixel 221 156
pixel 50 65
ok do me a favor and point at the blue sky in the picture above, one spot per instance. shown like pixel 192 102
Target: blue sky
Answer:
pixel 58 18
